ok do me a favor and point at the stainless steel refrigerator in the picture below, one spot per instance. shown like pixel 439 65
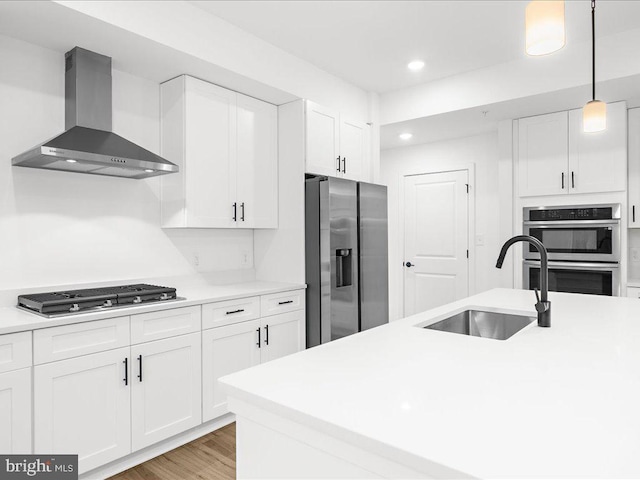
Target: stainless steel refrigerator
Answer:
pixel 346 258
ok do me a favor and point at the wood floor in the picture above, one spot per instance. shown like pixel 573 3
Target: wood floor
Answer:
pixel 210 457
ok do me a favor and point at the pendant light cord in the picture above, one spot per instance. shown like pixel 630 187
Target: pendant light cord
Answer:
pixel 593 49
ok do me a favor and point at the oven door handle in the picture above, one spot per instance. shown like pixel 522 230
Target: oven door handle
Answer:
pixel 614 222
pixel 574 265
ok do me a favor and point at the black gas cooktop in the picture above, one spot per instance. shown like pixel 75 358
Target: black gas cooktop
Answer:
pixel 52 304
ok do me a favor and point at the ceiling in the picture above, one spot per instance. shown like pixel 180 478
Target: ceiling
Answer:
pixel 369 43
pixel 479 120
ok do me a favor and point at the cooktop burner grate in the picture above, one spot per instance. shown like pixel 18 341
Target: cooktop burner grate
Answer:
pixel 81 301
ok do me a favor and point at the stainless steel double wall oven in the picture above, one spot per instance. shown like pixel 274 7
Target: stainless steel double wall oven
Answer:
pixel 583 244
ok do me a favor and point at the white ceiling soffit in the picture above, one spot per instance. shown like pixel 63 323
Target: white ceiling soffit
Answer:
pixel 369 43
pixel 59 28
pixel 473 121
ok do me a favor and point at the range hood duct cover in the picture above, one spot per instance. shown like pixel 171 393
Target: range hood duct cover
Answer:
pixel 88 145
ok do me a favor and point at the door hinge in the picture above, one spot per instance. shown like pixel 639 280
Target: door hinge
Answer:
pixel 467 185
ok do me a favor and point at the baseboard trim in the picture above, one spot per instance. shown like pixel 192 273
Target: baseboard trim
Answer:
pixel 141 456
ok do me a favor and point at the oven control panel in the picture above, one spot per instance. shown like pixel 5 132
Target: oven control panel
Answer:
pixel 577 213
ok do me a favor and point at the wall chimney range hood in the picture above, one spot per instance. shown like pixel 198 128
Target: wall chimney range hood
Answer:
pixel 88 145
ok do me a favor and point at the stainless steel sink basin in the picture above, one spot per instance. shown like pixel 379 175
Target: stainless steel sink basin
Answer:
pixel 498 326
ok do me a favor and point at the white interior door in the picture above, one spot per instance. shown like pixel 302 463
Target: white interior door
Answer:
pixel 436 238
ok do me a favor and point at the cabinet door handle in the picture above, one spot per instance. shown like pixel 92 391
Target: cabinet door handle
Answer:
pixel 563 180
pixel 126 371
pixel 235 212
pixel 140 367
pixel 284 303
pixel 633 214
pixel 338 169
pixel 258 330
pixel 242 211
pixel 235 311
pixel 344 164
pixel 573 183
pixel 266 334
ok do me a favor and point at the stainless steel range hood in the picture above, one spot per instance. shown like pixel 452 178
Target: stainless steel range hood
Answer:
pixel 88 145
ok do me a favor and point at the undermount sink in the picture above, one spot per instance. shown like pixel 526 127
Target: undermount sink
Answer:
pixel 477 323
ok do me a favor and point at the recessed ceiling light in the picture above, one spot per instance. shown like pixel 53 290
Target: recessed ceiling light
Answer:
pixel 71 160
pixel 405 136
pixel 415 65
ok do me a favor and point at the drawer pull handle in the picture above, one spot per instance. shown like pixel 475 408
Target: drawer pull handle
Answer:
pixel 140 366
pixel 235 311
pixel 126 371
pixel 284 303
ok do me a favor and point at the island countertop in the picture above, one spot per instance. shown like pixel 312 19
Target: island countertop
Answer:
pixel 547 402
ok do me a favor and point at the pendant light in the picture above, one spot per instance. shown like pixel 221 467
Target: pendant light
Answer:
pixel 544 24
pixel 594 113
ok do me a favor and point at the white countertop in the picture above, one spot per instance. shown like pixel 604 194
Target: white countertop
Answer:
pixel 548 402
pixel 13 319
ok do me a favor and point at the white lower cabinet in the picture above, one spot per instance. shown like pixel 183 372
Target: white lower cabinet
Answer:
pixel 166 389
pixel 231 348
pixel 281 335
pixel 226 350
pixel 82 406
pixel 15 412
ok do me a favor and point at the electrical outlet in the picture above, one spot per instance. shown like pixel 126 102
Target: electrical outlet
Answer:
pixel 635 254
pixel 244 258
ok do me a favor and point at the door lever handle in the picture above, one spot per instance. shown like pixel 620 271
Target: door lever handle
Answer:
pixel 409 265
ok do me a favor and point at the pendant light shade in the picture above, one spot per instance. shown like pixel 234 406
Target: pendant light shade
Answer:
pixel 544 22
pixel 594 113
pixel 594 116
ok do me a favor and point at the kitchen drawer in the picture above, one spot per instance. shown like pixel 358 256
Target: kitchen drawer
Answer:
pixel 232 311
pixel 15 351
pixel 633 292
pixel 58 343
pixel 276 303
pixel 146 327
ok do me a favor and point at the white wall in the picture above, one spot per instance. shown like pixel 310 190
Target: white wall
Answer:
pixel 482 151
pixel 193 31
pixel 64 228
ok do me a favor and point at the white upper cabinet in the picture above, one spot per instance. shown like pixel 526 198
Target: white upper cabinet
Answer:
pixel 257 164
pixel 542 159
pixel 353 148
pixel 556 157
pixel 598 161
pixel 323 144
pixel 634 168
pixel 336 146
pixel 225 145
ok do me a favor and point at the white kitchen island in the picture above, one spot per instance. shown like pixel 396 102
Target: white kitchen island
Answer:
pixel 405 402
